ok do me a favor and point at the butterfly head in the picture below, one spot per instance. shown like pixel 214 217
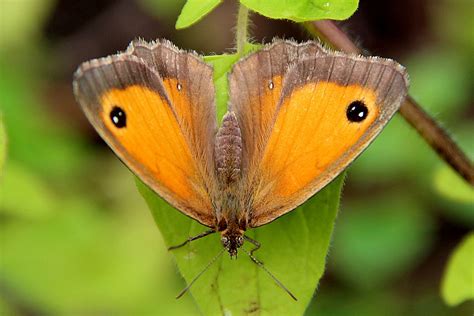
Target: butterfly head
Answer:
pixel 232 242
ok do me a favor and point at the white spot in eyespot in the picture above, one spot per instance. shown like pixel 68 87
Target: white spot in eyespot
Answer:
pixel 271 85
pixel 179 87
pixel 115 119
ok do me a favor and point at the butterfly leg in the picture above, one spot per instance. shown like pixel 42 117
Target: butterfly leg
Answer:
pixel 253 242
pixel 204 234
pixel 261 265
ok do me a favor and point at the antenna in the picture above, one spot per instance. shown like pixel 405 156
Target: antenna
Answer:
pixel 200 273
pixel 260 264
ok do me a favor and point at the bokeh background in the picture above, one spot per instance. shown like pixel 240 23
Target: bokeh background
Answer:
pixel 77 238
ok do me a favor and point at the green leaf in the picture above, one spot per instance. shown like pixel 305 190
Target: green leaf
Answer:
pixel 195 10
pixel 458 280
pixel 299 239
pixel 303 10
pixel 222 65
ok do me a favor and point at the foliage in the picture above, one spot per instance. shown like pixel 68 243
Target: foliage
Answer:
pixel 194 10
pixel 298 11
pixel 303 10
pixel 458 280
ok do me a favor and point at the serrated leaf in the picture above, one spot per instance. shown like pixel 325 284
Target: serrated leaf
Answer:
pixel 195 10
pixel 458 280
pixel 303 10
pixel 299 239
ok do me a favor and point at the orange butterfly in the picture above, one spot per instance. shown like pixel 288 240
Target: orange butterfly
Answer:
pixel 298 115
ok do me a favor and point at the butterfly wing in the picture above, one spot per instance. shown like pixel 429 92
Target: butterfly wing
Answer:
pixel 313 134
pixel 255 88
pixel 148 115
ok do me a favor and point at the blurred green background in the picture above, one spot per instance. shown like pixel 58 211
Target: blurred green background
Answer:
pixel 76 238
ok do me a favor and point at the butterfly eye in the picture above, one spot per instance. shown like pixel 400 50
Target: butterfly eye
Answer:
pixel 240 240
pixel 357 111
pixel 118 117
pixel 225 241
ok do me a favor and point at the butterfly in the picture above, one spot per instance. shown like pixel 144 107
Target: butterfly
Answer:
pixel 298 115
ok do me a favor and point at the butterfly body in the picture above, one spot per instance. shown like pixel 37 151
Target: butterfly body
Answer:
pixel 298 115
pixel 229 205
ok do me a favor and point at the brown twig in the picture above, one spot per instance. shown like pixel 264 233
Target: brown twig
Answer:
pixel 426 126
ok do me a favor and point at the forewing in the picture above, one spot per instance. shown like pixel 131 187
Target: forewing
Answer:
pixel 311 139
pixel 159 142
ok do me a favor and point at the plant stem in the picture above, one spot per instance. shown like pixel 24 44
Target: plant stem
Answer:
pixel 242 25
pixel 425 125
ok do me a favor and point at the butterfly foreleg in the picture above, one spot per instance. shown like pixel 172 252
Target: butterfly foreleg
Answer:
pixel 203 234
pixel 253 242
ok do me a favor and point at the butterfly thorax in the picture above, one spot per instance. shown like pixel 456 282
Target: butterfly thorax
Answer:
pixel 231 218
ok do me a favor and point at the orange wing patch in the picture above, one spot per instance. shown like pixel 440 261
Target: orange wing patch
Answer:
pixel 154 140
pixel 265 105
pixel 311 141
pixel 180 103
pixel 306 138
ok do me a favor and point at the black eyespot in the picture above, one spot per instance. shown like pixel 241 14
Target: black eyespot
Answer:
pixel 118 117
pixel 357 111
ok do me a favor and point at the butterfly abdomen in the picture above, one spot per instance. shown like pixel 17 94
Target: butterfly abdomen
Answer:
pixel 228 151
